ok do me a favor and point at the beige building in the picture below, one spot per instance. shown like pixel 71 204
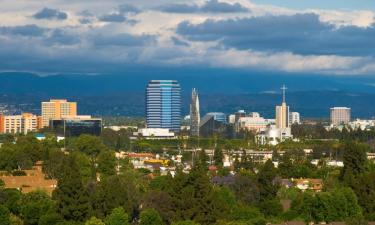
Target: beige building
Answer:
pixel 282 113
pixel 253 122
pixel 57 109
pixel 340 115
pixel 24 123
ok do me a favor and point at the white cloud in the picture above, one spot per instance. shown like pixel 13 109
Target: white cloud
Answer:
pixel 163 25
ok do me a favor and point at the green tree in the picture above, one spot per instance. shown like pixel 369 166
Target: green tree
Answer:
pixel 15 220
pixel 185 222
pixel 50 219
pixel 355 161
pixel 91 146
pixel 245 189
pixel 162 202
pixel 113 192
pixel 266 176
pixel 150 217
pixel 10 198
pixel 70 195
pixel 4 215
pixel 117 217
pixel 107 164
pixel 34 205
pixel 86 170
pixel 365 191
pixel 218 157
pixel 94 221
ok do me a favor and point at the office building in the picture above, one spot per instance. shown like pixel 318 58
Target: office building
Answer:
pixel 154 133
pixel 282 113
pixel 239 114
pixel 212 125
pixel 55 109
pixel 163 105
pixel 231 118
pixel 294 118
pixel 273 135
pixel 76 126
pixel 340 115
pixel 253 122
pixel 2 121
pixel 194 114
pixel 19 124
pixel 219 116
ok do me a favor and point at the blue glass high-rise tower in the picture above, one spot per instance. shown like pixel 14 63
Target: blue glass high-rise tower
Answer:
pixel 163 104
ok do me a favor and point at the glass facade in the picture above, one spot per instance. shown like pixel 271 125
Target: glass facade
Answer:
pixel 163 105
pixel 74 128
pixel 219 116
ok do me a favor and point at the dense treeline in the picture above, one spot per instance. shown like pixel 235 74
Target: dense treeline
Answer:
pixel 94 187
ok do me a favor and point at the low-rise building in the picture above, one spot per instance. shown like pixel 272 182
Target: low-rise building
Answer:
pixel 273 136
pixel 154 133
pixel 32 181
pixel 75 126
pixel 253 122
pixel 19 124
pixel 361 124
pixel 294 118
pixel 309 184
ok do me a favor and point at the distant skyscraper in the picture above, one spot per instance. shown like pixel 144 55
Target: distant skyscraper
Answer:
pixel 194 114
pixel 163 104
pixel 340 115
pixel 56 109
pixel 282 113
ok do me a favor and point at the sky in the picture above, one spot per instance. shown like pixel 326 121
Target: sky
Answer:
pixel 333 38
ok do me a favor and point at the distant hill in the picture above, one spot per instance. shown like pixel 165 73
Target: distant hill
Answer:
pixel 220 90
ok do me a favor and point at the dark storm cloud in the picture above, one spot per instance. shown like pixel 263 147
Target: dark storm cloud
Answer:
pixel 211 6
pixel 50 14
pixel 300 33
pixel 31 30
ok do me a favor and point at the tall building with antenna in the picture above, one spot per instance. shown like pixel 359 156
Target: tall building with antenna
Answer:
pixel 282 112
pixel 194 114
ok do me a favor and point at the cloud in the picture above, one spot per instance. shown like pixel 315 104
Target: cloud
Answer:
pixel 113 17
pixel 210 6
pixel 301 34
pixel 62 37
pixel 179 42
pixel 124 39
pixel 121 15
pixel 128 8
pixel 30 30
pixel 50 14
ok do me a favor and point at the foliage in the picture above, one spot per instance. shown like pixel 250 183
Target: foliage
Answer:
pixel 94 221
pixel 34 205
pixel 4 215
pixel 150 217
pixel 71 197
pixel 107 164
pixel 117 217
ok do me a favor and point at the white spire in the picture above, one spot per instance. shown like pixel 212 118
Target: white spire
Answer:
pixel 284 88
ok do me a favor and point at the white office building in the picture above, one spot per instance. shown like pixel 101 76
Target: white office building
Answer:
pixel 294 118
pixel 340 116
